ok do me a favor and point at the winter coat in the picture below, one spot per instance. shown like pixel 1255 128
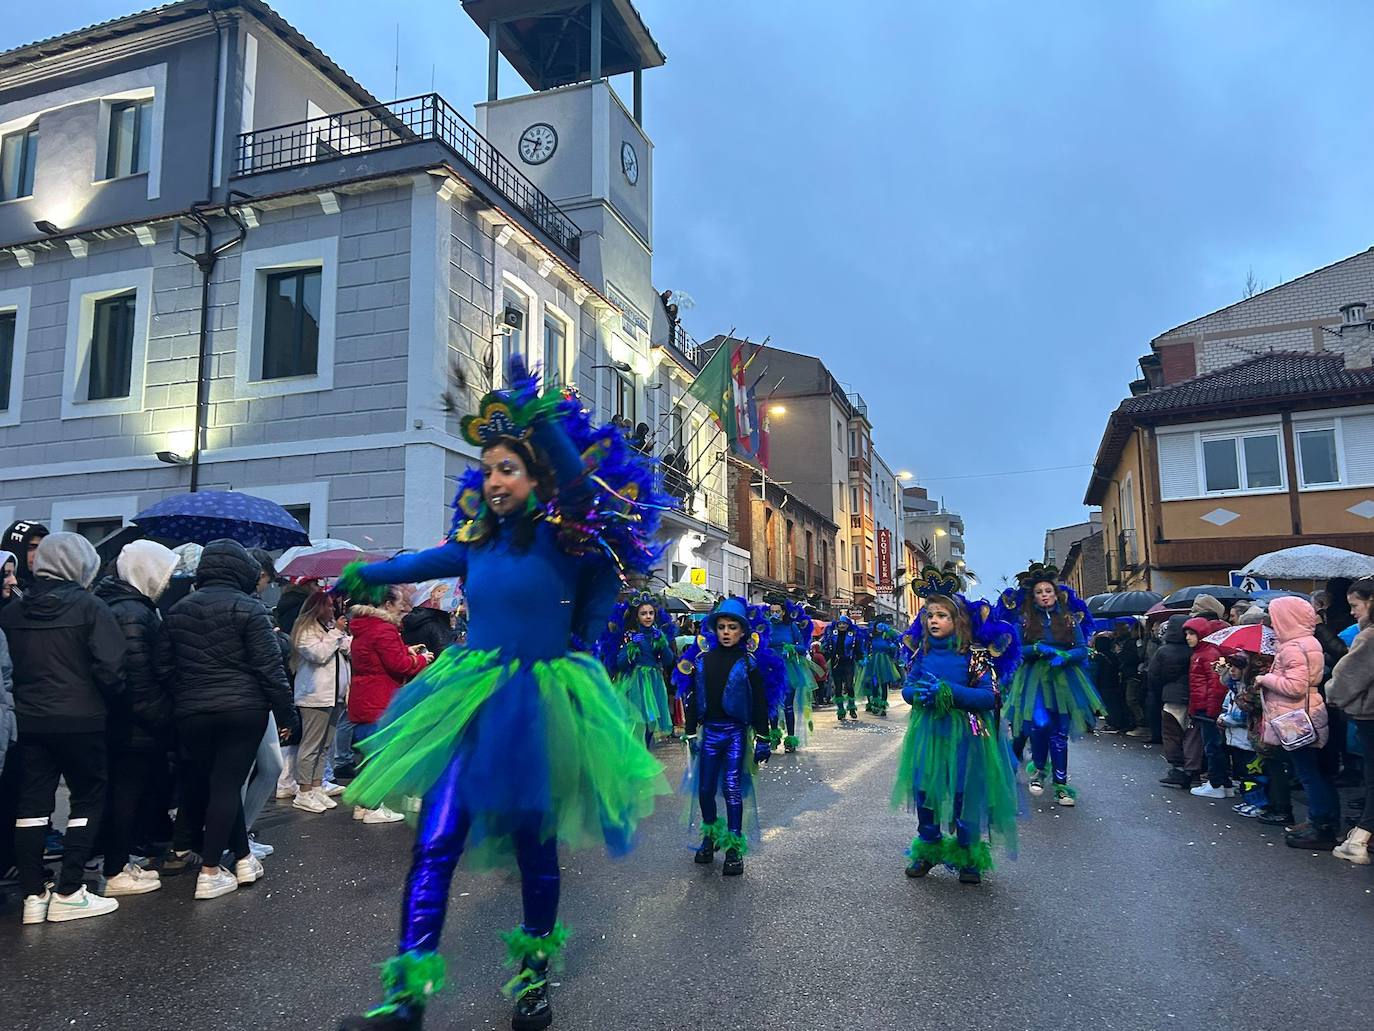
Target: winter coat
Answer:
pixel 66 646
pixel 1205 689
pixel 142 717
pixel 223 644
pixel 1351 688
pixel 429 627
pixel 16 540
pixel 289 605
pixel 1168 674
pixel 320 660
pixel 8 731
pixel 1298 667
pixel 381 663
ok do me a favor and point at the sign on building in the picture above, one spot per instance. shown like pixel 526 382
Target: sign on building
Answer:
pixel 699 576
pixel 885 560
pixel 1249 584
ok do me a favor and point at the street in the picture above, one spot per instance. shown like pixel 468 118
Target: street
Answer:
pixel 1140 909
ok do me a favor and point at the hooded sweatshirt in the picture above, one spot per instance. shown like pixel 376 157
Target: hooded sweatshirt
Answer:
pixel 67 648
pixel 142 715
pixel 1291 682
pixel 1206 692
pixel 6 557
pixel 1168 673
pixel 17 540
pixel 1351 688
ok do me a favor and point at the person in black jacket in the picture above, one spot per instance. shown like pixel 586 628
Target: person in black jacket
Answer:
pixel 1169 682
pixel 229 677
pixel 428 624
pixel 21 539
pixel 138 731
pixel 68 655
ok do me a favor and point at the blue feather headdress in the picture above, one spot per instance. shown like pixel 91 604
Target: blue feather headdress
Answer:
pixel 760 644
pixel 1011 602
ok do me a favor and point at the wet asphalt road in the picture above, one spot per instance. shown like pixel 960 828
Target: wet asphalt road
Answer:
pixel 1140 909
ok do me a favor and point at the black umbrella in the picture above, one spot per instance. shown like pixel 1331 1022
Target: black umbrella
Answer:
pixel 1127 603
pixel 676 605
pixel 1185 596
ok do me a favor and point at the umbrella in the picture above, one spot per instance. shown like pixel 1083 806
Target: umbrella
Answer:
pixel 1311 562
pixel 1127 603
pixel 1265 597
pixel 690 593
pixel 110 547
pixel 210 515
pixel 1162 611
pixel 324 544
pixel 1254 637
pixel 673 604
pixel 323 565
pixel 1227 595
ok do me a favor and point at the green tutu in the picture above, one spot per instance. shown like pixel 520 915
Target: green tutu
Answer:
pixel 646 696
pixel 958 765
pixel 879 671
pixel 542 739
pixel 1063 690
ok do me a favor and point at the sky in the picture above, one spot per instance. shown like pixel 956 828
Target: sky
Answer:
pixel 977 214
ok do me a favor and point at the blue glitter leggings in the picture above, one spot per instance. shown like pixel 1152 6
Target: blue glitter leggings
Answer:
pixel 930 830
pixel 1049 740
pixel 722 768
pixel 439 841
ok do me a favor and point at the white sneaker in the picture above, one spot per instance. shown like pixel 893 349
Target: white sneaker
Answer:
pixel 1036 788
pixel 132 881
pixel 248 870
pixel 1207 791
pixel 360 813
pixel 78 905
pixel 36 907
pixel 331 789
pixel 213 885
pixel 382 815
pixel 260 849
pixel 288 790
pixel 309 802
pixel 324 799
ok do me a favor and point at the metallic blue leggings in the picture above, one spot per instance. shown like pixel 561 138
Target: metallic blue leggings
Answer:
pixel 929 830
pixel 439 841
pixel 722 768
pixel 1049 738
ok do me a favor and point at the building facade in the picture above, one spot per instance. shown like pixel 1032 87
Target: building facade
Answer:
pixel 224 264
pixel 784 537
pixel 936 533
pixel 889 557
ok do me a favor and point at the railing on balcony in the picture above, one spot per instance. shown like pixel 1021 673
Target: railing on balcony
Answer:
pixel 859 404
pixel 367 130
pixel 691 350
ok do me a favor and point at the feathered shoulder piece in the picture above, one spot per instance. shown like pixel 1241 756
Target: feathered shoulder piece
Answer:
pixel 994 637
pixel 618 504
pixel 624 620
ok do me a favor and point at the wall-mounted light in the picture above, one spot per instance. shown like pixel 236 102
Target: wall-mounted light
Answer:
pixel 777 410
pixel 617 366
pixel 172 458
pixel 47 228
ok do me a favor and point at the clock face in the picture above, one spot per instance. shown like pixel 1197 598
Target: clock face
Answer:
pixel 629 162
pixel 537 143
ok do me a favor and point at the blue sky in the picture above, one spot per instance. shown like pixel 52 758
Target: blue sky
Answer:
pixel 978 214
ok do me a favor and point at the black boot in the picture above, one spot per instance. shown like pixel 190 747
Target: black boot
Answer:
pixel 403 1018
pixel 1176 778
pixel 920 868
pixel 1317 836
pixel 532 1010
pixel 1272 819
pixel 970 876
pixel 734 863
pixel 706 854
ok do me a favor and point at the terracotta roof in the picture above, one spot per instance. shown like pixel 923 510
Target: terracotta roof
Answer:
pixel 1277 375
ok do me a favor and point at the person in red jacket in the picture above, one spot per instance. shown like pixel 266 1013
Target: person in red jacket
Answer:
pixel 1206 693
pixel 382 663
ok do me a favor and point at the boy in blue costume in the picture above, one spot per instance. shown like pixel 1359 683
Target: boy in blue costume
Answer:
pixel 842 644
pixel 516 742
pixel 956 770
pixel 726 699
pixel 791 638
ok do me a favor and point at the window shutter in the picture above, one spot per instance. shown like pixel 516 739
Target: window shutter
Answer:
pixel 1357 433
pixel 1178 476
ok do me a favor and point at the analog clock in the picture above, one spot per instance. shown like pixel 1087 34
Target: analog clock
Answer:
pixel 537 143
pixel 629 162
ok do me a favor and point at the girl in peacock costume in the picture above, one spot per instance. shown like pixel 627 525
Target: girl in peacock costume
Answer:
pixel 731 682
pixel 1051 697
pixel 643 653
pixel 956 769
pixel 517 743
pixel 881 671
pixel 843 645
pixel 791 638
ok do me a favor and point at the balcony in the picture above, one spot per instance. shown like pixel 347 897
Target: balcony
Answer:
pixel 381 127
pixel 860 406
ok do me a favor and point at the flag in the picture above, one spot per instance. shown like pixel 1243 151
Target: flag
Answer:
pixel 760 429
pixel 714 388
pixel 745 413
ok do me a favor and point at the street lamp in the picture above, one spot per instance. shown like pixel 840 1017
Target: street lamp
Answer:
pixel 906 474
pixel 776 410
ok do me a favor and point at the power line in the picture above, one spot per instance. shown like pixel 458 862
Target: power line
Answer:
pixel 1011 472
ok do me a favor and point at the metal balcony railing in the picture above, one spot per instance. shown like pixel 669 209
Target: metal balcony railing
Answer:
pixel 429 117
pixel 859 404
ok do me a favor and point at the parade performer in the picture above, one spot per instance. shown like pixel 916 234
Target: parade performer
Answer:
pixel 730 681
pixel 516 743
pixel 644 653
pixel 956 769
pixel 1051 696
pixel 791 629
pixel 881 672
pixel 843 645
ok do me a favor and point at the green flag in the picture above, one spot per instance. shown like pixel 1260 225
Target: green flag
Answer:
pixel 714 388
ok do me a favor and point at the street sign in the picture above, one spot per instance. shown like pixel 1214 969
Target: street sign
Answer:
pixel 1248 584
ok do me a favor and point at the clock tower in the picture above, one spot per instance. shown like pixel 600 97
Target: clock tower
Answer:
pixel 573 136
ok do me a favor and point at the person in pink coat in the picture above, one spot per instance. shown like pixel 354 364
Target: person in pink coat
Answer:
pixel 1292 685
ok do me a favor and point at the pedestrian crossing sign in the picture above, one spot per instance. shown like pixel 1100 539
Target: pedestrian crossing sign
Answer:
pixel 1247 583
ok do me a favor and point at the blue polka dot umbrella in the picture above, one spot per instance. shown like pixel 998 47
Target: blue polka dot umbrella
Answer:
pixel 211 515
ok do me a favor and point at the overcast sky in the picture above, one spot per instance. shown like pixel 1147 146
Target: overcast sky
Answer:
pixel 978 214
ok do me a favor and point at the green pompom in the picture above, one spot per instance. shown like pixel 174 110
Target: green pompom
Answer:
pixel 791 741
pixel 774 737
pixel 359 591
pixel 412 978
pixel 923 851
pixel 521 946
pixel 977 856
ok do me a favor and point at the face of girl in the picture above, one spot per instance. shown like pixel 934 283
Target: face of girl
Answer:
pixel 1191 638
pixel 7 580
pixel 646 616
pixel 1359 607
pixel 729 631
pixel 939 621
pixel 1044 594
pixel 397 606
pixel 506 483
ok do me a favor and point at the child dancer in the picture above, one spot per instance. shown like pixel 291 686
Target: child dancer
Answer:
pixel 791 638
pixel 881 672
pixel 844 649
pixel 644 652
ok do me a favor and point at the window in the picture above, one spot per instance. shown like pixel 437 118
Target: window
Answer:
pixel 112 347
pixel 8 322
pixel 555 343
pixel 18 154
pixel 857 567
pixel 291 326
pixel 853 445
pixel 130 138
pixel 1316 455
pixel 854 500
pixel 96 530
pixel 1236 463
pixel 300 513
pixel 623 386
pixel 839 436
